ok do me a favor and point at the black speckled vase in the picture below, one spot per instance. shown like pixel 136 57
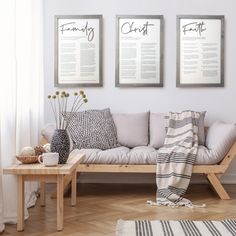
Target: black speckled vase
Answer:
pixel 61 143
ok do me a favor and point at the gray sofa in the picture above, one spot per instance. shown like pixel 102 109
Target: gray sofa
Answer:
pixel 140 135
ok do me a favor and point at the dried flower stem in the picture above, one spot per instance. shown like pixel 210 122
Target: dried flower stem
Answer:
pixel 66 101
pixel 54 112
pixel 75 100
pixel 71 116
pixel 63 110
pixel 59 111
pixel 59 107
pixel 55 107
pixel 76 107
pixel 73 109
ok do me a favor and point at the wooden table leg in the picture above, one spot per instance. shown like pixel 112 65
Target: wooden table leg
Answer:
pixel 60 204
pixel 73 188
pixel 42 193
pixel 20 203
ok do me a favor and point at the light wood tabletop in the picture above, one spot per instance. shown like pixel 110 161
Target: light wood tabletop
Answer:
pixel 38 169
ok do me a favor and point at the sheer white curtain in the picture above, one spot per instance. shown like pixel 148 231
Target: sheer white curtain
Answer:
pixel 21 93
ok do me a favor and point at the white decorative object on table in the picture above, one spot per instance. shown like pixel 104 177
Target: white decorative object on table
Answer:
pixel 47 147
pixel 27 151
pixel 49 158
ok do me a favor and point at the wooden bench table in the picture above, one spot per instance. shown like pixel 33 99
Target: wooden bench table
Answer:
pixel 38 172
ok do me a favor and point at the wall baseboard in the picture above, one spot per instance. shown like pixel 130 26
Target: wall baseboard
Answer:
pixel 129 178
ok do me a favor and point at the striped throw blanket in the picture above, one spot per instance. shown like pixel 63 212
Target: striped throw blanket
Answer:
pixel 176 158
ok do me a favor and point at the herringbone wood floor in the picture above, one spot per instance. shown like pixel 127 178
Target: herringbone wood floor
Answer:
pixel 99 206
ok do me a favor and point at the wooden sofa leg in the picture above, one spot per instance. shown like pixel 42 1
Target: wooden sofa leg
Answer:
pixel 215 182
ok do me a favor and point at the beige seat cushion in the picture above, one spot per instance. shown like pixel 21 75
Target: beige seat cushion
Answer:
pixel 141 155
pixel 117 155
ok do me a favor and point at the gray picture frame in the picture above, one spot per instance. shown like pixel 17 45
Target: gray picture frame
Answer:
pixel 178 51
pixel 161 43
pixel 84 84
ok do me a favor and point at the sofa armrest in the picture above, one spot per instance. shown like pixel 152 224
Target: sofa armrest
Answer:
pixel 47 132
pixel 43 141
pixel 219 139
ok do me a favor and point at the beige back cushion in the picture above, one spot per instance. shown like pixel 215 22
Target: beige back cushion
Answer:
pixel 157 130
pixel 132 128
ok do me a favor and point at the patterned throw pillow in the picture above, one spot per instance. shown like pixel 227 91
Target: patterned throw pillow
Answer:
pixel 92 129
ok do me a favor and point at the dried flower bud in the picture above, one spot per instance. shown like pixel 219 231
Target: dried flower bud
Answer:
pixel 54 96
pixel 75 93
pixel 49 96
pixel 85 100
pixel 63 92
pixel 84 95
pixel 57 92
pixel 67 95
pixel 81 92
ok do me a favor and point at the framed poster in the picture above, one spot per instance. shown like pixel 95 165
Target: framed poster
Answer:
pixel 200 51
pixel 139 51
pixel 78 51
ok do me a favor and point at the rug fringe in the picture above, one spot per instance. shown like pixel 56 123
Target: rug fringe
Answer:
pixel 184 202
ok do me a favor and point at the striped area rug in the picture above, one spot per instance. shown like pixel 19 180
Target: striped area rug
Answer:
pixel 176 228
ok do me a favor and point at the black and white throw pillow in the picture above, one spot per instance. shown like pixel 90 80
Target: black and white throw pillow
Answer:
pixel 92 129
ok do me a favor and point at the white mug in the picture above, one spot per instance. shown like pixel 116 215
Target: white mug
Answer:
pixel 49 158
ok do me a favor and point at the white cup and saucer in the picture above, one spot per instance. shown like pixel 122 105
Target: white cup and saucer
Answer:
pixel 49 158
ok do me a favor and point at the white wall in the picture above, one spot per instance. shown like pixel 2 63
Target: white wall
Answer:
pixel 218 102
